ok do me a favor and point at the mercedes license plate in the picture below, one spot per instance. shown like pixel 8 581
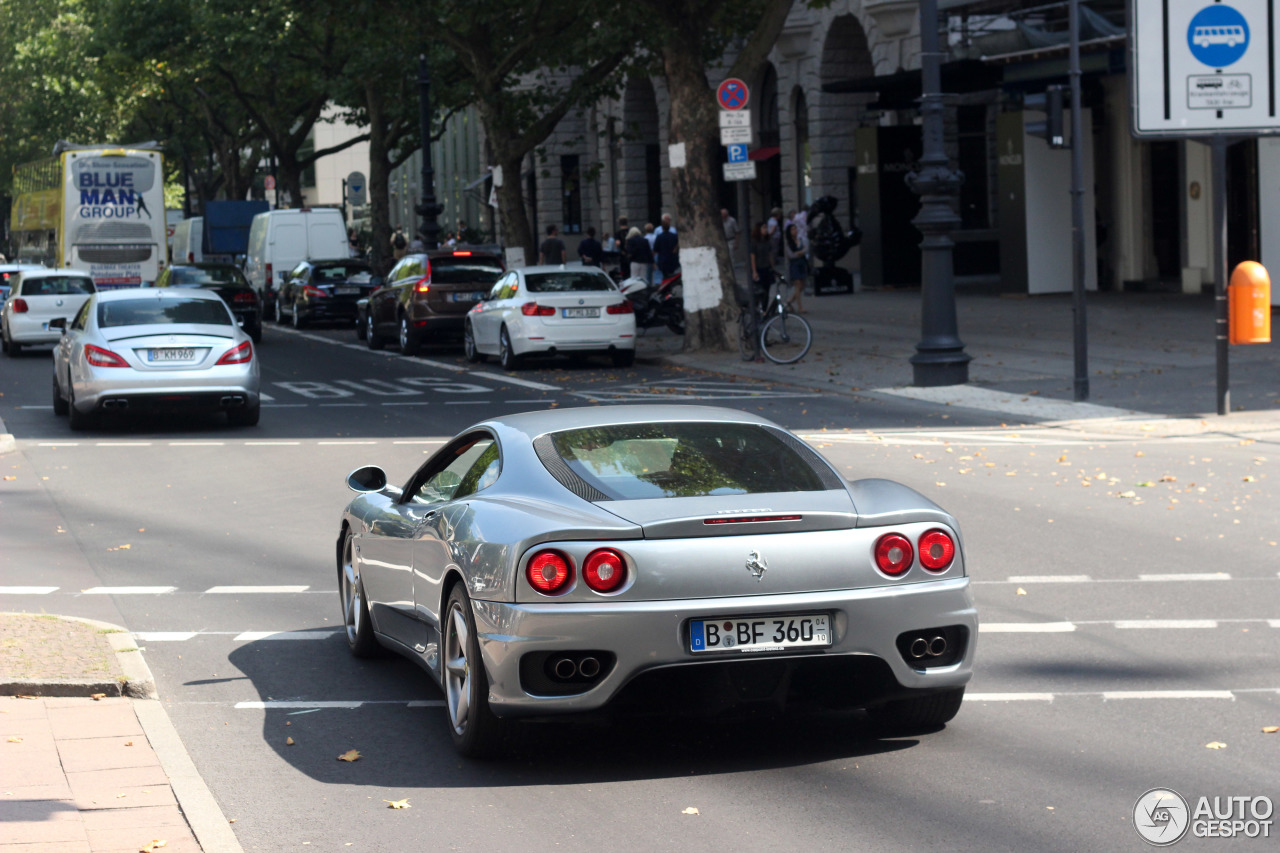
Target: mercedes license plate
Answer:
pixel 345 291
pixel 579 313
pixel 466 297
pixel 172 354
pixel 759 634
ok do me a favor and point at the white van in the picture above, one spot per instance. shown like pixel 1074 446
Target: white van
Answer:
pixel 188 241
pixel 281 239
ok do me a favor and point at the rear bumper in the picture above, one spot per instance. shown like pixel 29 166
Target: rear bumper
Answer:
pixel 158 402
pixel 645 636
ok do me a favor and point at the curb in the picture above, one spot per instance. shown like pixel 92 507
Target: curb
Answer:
pixel 138 683
pixel 7 443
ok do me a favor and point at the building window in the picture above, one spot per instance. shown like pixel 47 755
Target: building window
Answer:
pixel 571 190
pixel 975 207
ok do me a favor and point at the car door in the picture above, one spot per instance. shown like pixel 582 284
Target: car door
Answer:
pixel 485 322
pixel 293 282
pixel 444 538
pixel 63 354
pixel 382 303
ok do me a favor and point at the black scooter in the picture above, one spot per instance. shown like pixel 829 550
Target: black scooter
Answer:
pixel 656 305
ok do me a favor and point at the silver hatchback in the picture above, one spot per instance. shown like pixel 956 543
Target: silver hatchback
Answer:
pixel 154 350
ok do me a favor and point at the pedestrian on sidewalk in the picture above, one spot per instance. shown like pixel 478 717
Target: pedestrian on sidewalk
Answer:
pixel 762 274
pixel 620 240
pixel 797 249
pixel 641 256
pixel 551 253
pixel 589 249
pixel 731 231
pixel 666 248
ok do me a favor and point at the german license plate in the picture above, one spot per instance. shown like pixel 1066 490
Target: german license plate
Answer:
pixel 345 291
pixel 759 634
pixel 466 297
pixel 579 313
pixel 172 354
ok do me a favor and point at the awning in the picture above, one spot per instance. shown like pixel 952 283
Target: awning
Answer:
pixel 764 153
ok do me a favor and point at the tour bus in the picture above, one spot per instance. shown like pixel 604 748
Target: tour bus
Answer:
pixel 96 208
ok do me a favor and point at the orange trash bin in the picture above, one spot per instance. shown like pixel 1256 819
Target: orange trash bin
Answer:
pixel 1249 304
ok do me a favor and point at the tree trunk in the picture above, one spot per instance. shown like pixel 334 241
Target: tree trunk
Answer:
pixel 515 219
pixel 289 177
pixel 379 182
pixel 710 305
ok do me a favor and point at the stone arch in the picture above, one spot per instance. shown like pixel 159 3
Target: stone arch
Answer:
pixel 640 164
pixel 833 118
pixel 768 137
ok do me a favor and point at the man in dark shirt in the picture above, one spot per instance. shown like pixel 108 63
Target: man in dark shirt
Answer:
pixel 620 239
pixel 590 250
pixel 551 252
pixel 666 248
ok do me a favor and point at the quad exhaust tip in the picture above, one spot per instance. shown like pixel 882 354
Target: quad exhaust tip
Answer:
pixel 568 668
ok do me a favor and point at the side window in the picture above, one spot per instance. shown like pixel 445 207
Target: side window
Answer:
pixel 397 272
pixel 445 484
pixel 512 282
pixel 483 474
pixel 82 316
pixel 500 285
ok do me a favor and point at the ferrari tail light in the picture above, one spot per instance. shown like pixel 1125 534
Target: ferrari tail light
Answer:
pixel 99 357
pixel 893 554
pixel 246 296
pixel 533 309
pixel 937 550
pixel 19 306
pixel 604 570
pixel 624 307
pixel 549 572
pixel 240 355
pixel 311 290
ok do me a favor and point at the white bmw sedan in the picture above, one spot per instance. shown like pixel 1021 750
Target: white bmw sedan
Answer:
pixel 154 350
pixel 552 310
pixel 39 297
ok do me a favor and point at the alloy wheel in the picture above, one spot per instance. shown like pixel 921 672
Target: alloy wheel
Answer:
pixel 352 600
pixel 457 668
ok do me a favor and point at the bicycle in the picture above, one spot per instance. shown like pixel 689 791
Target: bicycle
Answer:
pixel 773 330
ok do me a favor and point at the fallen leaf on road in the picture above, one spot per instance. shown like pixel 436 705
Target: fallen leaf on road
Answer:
pixel 691 810
pixel 154 844
pixel 1145 484
pixel 1271 729
pixel 121 548
pixel 288 741
pixel 1129 494
pixel 15 740
pixel 1215 744
pixel 1168 478
pixel 24 696
pixel 1249 479
pixel 128 743
pixel 97 696
pixel 398 804
pixel 9 477
pixel 1021 591
pixel 1139 453
pixel 350 755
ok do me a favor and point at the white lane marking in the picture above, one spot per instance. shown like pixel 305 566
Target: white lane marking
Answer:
pixel 27 590
pixel 525 383
pixel 37 408
pixel 163 636
pixel 254 636
pixel 339 443
pixel 443 366
pixel 990 400
pixel 1109 695
pixel 1008 697
pixel 285 406
pixel 272 443
pixel 422 441
pixel 128 590
pixel 1188 576
pixel 266 398
pixel 58 444
pixel 1274 623
pixel 241 589
pixel 1026 627
pixel 122 444
pixel 1166 623
pixel 197 444
pixel 466 402
pixel 274 704
pixel 342 405
pixel 1049 579
pixel 522 402
pixel 412 403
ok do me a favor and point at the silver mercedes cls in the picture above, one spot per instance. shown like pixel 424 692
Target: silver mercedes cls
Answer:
pixel 675 559
pixel 154 350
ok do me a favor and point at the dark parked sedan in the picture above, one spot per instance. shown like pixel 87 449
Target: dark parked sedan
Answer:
pixel 316 291
pixel 229 283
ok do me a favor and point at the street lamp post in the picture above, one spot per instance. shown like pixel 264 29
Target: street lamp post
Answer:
pixel 940 358
pixel 428 209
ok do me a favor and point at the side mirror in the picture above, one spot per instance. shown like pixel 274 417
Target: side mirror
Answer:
pixel 370 478
pixel 377 281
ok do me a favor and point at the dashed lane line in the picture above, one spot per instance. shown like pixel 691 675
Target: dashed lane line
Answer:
pixel 128 590
pixel 288 704
pixel 1121 695
pixel 27 590
pixel 1188 576
pixel 236 590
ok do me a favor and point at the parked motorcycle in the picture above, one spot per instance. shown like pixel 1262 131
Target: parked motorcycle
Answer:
pixel 656 305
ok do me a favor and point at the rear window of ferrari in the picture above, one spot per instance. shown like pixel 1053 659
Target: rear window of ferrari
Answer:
pixel 150 311
pixel 636 461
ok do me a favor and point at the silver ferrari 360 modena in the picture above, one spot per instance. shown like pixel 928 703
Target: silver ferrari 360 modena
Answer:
pixel 655 558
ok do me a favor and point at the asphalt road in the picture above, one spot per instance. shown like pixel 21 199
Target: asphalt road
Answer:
pixel 1128 589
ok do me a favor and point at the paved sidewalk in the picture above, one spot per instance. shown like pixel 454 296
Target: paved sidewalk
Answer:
pixel 1149 354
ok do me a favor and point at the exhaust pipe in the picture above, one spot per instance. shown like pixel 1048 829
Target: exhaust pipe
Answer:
pixel 920 647
pixel 565 668
pixel 937 647
pixel 588 667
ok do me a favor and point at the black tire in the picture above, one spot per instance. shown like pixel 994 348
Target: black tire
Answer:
pixel 279 312
pixel 476 732
pixel 371 336
pixel 507 357
pixel 355 607
pixel 362 332
pixel 299 322
pixel 748 335
pixel 624 358
pixel 469 345
pixel 786 338
pixel 60 406
pixel 246 417
pixel 76 419
pixel 907 716
pixel 4 343
pixel 675 321
pixel 407 339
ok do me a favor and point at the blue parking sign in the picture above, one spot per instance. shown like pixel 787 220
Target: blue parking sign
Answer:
pixel 737 153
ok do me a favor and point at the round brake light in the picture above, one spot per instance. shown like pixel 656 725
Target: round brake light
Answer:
pixel 549 572
pixel 604 570
pixel 893 554
pixel 937 550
